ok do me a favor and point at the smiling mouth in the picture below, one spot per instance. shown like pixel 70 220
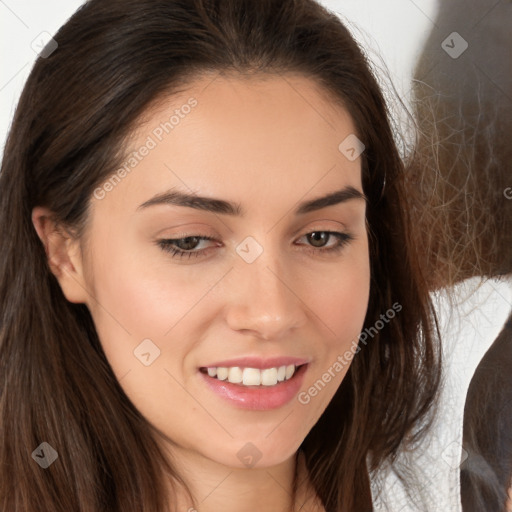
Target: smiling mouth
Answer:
pixel 252 377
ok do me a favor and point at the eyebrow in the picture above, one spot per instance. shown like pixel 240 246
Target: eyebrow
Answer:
pixel 190 200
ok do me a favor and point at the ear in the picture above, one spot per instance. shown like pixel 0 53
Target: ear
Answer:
pixel 63 253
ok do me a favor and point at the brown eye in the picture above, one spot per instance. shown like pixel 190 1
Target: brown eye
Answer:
pixel 187 244
pixel 318 238
pixel 317 241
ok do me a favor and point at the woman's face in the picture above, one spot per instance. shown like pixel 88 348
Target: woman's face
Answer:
pixel 271 289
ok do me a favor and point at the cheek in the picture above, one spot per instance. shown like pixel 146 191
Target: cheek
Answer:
pixel 138 298
pixel 341 308
pixel 340 298
pixel 340 305
pixel 343 304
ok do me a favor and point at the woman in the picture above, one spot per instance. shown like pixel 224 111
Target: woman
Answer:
pixel 206 234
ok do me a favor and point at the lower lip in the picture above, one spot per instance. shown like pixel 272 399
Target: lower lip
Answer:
pixel 257 398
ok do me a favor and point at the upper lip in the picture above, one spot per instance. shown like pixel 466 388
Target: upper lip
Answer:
pixel 259 362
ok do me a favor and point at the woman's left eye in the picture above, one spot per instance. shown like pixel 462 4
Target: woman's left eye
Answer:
pixel 187 246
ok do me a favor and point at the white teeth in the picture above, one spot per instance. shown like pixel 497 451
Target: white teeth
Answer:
pixel 222 373
pixel 269 377
pixel 235 375
pixel 253 376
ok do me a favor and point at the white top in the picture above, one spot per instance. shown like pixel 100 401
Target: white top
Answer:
pixel 469 323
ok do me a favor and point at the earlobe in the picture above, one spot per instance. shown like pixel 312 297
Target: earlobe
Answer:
pixel 63 254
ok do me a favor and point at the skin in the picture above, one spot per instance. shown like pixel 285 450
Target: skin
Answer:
pixel 267 145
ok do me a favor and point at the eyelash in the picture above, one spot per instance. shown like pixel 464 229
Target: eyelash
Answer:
pixel 167 244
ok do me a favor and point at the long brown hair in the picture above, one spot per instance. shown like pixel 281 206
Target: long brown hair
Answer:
pixel 78 106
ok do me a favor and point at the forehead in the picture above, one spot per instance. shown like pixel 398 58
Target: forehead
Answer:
pixel 232 135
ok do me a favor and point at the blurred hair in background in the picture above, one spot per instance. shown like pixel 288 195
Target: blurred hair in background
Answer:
pixel 463 91
pixel 462 177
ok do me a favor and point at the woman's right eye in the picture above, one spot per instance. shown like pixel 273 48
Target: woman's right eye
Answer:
pixel 179 247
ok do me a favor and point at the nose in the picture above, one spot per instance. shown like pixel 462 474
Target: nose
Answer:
pixel 263 299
